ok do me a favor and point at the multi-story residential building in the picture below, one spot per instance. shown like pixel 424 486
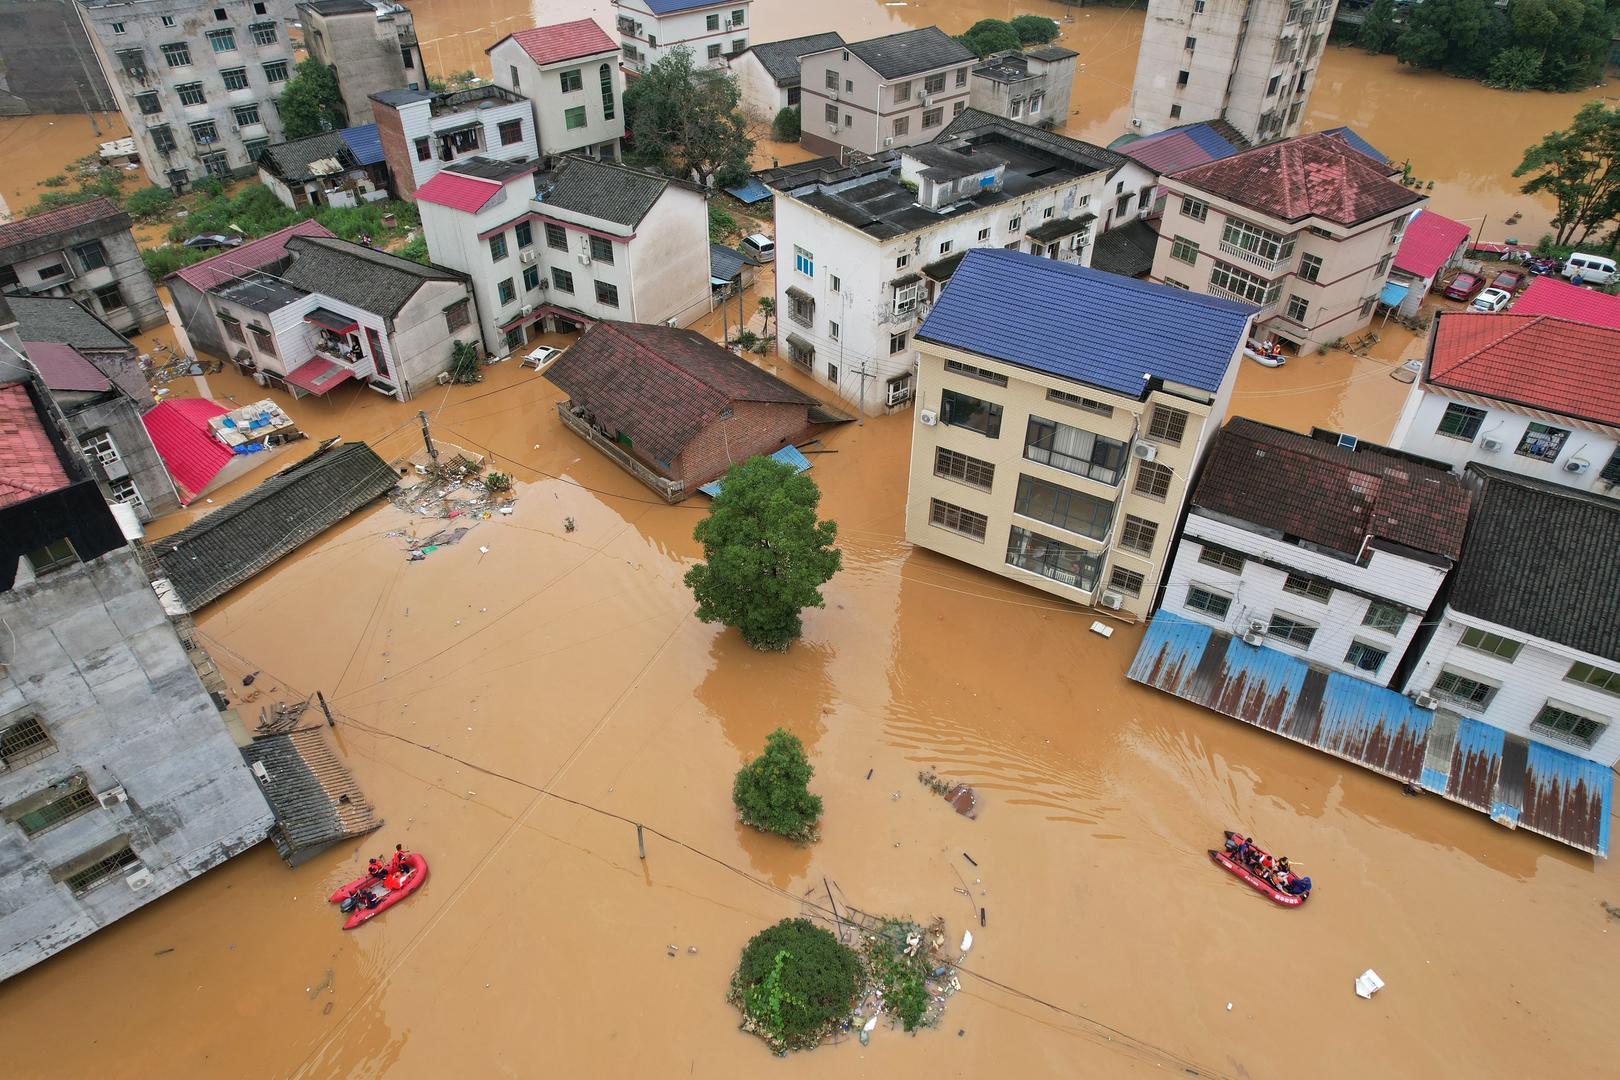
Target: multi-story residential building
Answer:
pixel 862 250
pixel 332 311
pixel 650 29
pixel 1318 545
pixel 1532 394
pixel 118 779
pixel 1529 638
pixel 1252 64
pixel 1104 389
pixel 85 251
pixel 896 90
pixel 588 242
pixel 1031 87
pixel 1305 229
pixel 196 84
pixel 768 74
pixel 570 74
pixel 422 132
pixel 370 45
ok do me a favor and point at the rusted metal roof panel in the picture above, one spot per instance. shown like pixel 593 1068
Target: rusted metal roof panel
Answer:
pixel 1516 781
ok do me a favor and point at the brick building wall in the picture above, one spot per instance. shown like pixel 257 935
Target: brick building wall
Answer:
pixel 396 149
pixel 754 428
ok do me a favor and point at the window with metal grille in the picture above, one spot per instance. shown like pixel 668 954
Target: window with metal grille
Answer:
pixel 1080 402
pixel 511 131
pixel 191 93
pixel 1167 425
pixel 523 233
pixel 276 71
pixel 1292 630
pixel 163 138
pixel 1384 617
pixel 506 291
pixel 1127 581
pixel 1463 690
pixel 531 278
pixel 176 54
pixel 204 132
pixel 602 250
pixel 605 76
pixel 1566 725
pixel 969 470
pixel 264 33
pixel 1153 480
pixel 556 237
pixel 1305 585
pixel 497 247
pixel 98 446
pixel 235 78
pixel 77 801
pixel 562 279
pixel 457 315
pixel 125 491
pixel 222 40
pixel 1365 657
pixel 102 871
pixel 1138 534
pixel 246 115
pixel 975 372
pixel 607 295
pixel 1543 442
pixel 149 104
pixel 1210 603
pixel 1460 422
pixel 1222 557
pixel 25 741
pixel 957 519
pixel 1494 644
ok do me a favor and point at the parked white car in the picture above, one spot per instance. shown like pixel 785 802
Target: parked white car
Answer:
pixel 1491 300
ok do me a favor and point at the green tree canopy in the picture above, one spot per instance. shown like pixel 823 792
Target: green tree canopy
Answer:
pixel 795 981
pixel 1378 30
pixel 765 554
pixel 1580 168
pixel 685 121
pixel 1035 29
pixel 989 35
pixel 786 125
pixel 772 792
pixel 1453 35
pixel 310 102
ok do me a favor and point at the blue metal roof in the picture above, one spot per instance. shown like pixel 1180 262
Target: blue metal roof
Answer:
pixel 1212 142
pixel 788 455
pixel 1392 294
pixel 1077 323
pixel 666 7
pixel 1349 135
pixel 364 143
pixel 750 193
pixel 1519 782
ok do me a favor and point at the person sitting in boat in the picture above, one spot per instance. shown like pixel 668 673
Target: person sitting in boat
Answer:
pixel 400 861
pixel 1300 886
pixel 1281 875
pixel 376 868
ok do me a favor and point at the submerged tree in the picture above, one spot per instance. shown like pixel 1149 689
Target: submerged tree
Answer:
pixel 772 792
pixel 1034 29
pixel 795 982
pixel 686 121
pixel 1580 168
pixel 310 103
pixel 1378 29
pixel 765 554
pixel 989 35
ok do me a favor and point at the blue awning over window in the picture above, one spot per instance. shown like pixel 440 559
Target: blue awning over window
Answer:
pixel 1394 292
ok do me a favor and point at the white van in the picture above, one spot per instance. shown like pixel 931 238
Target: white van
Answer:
pixel 763 248
pixel 1592 269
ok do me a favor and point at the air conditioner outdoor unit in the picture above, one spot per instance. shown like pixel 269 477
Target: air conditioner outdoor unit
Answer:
pixel 927 100
pixel 1113 601
pixel 1490 446
pixel 527 257
pixel 1144 451
pixel 443 380
pixel 112 797
pixel 833 94
pixel 927 417
pixel 1577 465
pixel 526 309
pixel 1136 121
pixel 139 880
pixel 1252 638
pixel 584 258
pixel 1425 700
pixel 888 140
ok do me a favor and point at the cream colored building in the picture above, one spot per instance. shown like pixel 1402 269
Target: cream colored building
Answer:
pixel 1252 63
pixel 896 90
pixel 1305 229
pixel 1060 414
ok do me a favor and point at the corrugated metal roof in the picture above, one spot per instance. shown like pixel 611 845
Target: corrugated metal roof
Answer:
pixel 1428 244
pixel 179 431
pixel 1550 296
pixel 788 455
pixel 1519 782
pixel 364 143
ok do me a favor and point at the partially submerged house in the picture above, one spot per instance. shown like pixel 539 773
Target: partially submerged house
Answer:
pixel 315 798
pixel 422 131
pixel 671 407
pixel 1432 245
pixel 334 168
pixel 85 251
pixel 730 269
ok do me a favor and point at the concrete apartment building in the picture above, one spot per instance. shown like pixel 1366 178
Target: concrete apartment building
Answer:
pixel 768 74
pixel 897 90
pixel 1104 389
pixel 1251 63
pixel 570 74
pixel 85 251
pixel 588 242
pixel 649 30
pixel 422 132
pixel 118 779
pixel 1031 87
pixel 1320 546
pixel 196 84
pixel 1305 229
pixel 370 45
pixel 863 250
pixel 1534 395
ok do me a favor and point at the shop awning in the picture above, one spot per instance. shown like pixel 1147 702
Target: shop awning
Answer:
pixel 318 375
pixel 331 320
pixel 1393 293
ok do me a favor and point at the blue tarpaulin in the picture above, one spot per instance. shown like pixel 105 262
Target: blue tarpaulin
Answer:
pixel 1394 292
pixel 750 193
pixel 788 455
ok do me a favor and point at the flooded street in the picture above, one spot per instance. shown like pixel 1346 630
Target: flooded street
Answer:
pixel 513 713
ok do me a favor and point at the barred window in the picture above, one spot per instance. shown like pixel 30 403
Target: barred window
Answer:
pixel 1292 630
pixel 957 519
pixel 1566 725
pixel 1208 601
pixel 1138 534
pixel 1385 617
pixel 1305 585
pixel 1463 690
pixel 1167 425
pixel 102 871
pixel 969 470
pixel 25 741
pixel 1153 480
pixel 1127 581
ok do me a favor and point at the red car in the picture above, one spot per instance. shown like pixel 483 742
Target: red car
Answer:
pixel 1463 287
pixel 1508 281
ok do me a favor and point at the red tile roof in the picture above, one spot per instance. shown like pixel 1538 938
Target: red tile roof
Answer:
pixel 469 194
pixel 38 226
pixel 563 41
pixel 253 255
pixel 179 431
pixel 28 462
pixel 1328 495
pixel 1557 365
pixel 1315 175
pixel 1430 241
pixel 1550 296
pixel 64 368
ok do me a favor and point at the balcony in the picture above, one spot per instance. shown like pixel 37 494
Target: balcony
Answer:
pixel 1264 306
pixel 1257 260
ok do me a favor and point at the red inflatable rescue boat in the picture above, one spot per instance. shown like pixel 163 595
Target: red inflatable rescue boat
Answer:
pixel 1225 860
pixel 415 874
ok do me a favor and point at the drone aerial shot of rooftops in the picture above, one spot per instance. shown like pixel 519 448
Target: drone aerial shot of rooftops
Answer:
pixel 508 563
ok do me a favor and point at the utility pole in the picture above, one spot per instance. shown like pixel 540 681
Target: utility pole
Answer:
pixel 427 437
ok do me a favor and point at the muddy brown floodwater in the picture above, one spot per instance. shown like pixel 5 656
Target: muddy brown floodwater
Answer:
pixel 569 663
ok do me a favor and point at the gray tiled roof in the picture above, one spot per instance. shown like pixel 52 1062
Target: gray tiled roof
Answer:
pixel 374 280
pixel 314 796
pixel 726 263
pixel 611 192
pixel 65 321
pixel 781 58
pixel 1540 558
pixel 1126 250
pixel 219 551
pixel 292 160
pixel 912 52
pixel 971 120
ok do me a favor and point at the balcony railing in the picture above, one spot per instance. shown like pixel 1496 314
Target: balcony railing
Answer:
pixel 1255 259
pixel 1228 294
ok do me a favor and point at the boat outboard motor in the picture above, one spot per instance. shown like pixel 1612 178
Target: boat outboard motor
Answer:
pixel 351 901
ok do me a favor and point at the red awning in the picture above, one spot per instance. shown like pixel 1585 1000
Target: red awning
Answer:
pixel 318 375
pixel 341 324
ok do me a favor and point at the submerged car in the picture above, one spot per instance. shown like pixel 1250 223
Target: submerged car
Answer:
pixel 1463 287
pixel 1492 299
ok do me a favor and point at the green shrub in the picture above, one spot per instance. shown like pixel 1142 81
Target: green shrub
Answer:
pixel 464 362
pixel 415 249
pixel 721 223
pixel 988 36
pixel 148 202
pixel 795 983
pixel 54 181
pixel 786 126
pixel 162 261
pixel 772 792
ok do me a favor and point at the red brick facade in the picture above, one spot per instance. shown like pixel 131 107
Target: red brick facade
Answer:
pixel 755 428
pixel 396 151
